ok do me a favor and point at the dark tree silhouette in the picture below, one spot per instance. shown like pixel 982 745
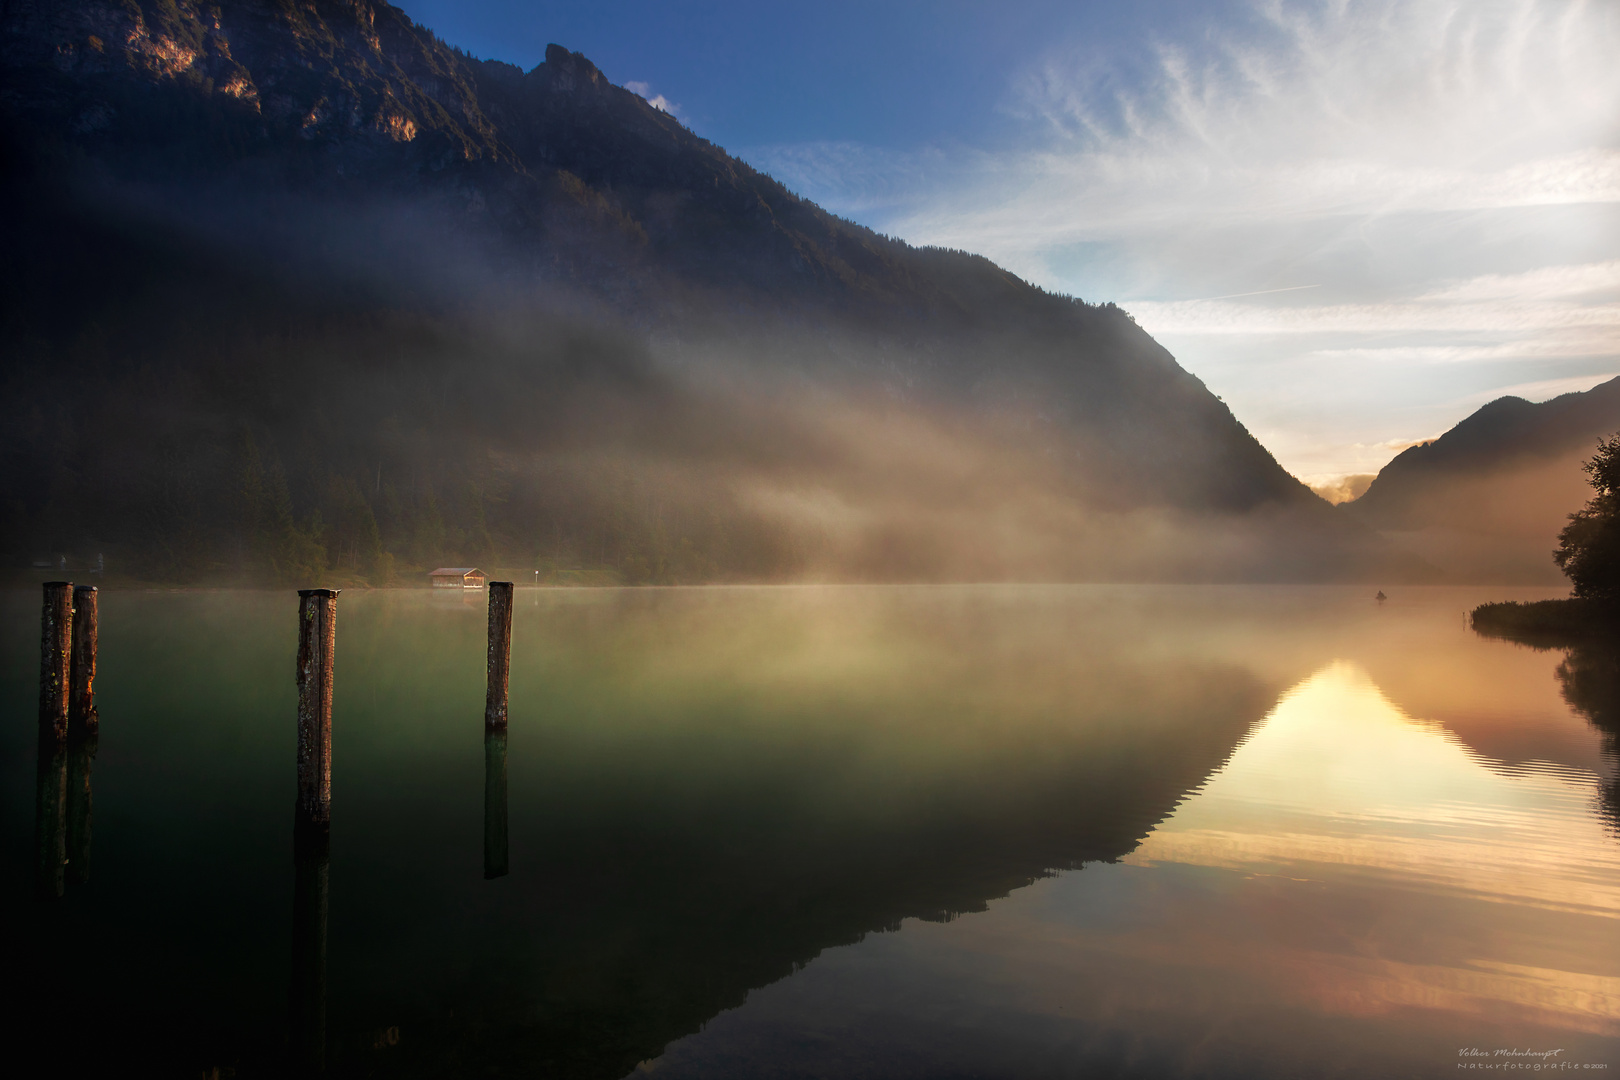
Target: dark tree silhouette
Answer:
pixel 1589 546
pixel 1590 679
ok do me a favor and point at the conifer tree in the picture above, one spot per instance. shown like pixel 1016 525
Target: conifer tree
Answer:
pixel 1589 546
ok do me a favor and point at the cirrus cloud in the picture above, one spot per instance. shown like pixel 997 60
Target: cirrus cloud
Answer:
pixel 1443 174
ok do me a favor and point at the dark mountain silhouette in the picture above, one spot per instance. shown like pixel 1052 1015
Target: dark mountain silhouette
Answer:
pixel 1486 500
pixel 298 289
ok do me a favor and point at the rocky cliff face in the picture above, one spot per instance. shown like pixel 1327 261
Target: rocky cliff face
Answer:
pixel 334 153
pixel 353 98
pixel 357 76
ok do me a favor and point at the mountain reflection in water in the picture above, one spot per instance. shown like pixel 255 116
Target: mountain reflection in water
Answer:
pixel 709 791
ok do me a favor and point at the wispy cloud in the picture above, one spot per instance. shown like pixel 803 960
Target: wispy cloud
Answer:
pixel 1539 347
pixel 1505 317
pixel 1309 110
pixel 876 185
pixel 1540 390
pixel 1115 194
pixel 1446 173
pixel 1547 283
pixel 657 101
pixel 1397 445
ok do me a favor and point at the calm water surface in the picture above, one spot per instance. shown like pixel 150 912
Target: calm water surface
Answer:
pixel 876 832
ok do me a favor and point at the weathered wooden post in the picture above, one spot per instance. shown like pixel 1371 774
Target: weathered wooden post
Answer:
pixel 500 654
pixel 82 719
pixel 55 647
pixel 498 669
pixel 317 640
pixel 495 860
pixel 312 850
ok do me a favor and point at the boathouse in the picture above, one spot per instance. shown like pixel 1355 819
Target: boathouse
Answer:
pixel 457 577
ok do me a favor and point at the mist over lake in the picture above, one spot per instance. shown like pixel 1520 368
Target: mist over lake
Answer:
pixel 871 831
pixel 734 540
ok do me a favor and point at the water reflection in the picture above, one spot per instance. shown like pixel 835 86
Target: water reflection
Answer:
pixel 1590 679
pixel 1354 886
pixel 81 756
pixel 62 811
pixel 50 816
pixel 312 872
pixel 1481 890
pixel 730 795
pixel 1339 777
pixel 676 881
pixel 495 864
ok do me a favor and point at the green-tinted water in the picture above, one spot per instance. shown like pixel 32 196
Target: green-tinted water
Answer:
pixel 988 831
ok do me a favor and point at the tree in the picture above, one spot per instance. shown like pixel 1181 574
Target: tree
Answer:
pixel 1589 547
pixel 280 548
pixel 355 540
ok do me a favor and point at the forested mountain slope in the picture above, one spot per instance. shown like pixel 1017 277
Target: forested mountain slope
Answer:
pixel 297 286
pixel 1488 498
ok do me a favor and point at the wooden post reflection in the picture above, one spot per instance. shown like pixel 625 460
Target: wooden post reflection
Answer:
pixel 50 816
pixel 50 781
pixel 81 755
pixel 495 864
pixel 312 870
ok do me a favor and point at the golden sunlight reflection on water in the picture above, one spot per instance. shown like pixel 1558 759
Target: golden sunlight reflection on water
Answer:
pixel 1338 780
pixel 1338 783
pixel 1356 892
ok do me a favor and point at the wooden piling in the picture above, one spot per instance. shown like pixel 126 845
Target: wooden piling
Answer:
pixel 55 647
pixel 499 660
pixel 82 719
pixel 495 860
pixel 317 640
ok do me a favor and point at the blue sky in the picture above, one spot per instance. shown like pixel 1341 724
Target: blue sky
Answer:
pixel 1356 220
pixel 894 73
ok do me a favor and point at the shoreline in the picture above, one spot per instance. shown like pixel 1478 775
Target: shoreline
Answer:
pixel 1548 623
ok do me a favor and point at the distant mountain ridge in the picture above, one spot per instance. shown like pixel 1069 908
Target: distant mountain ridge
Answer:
pixel 1489 496
pixel 1506 432
pixel 315 168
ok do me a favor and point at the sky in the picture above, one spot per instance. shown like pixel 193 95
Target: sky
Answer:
pixel 1356 221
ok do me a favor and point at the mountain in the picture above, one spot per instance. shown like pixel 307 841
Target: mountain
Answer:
pixel 1487 499
pixel 298 289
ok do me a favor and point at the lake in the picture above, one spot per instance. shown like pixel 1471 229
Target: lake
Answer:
pixel 975 831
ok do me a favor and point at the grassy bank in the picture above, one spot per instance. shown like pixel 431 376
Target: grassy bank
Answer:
pixel 1549 620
